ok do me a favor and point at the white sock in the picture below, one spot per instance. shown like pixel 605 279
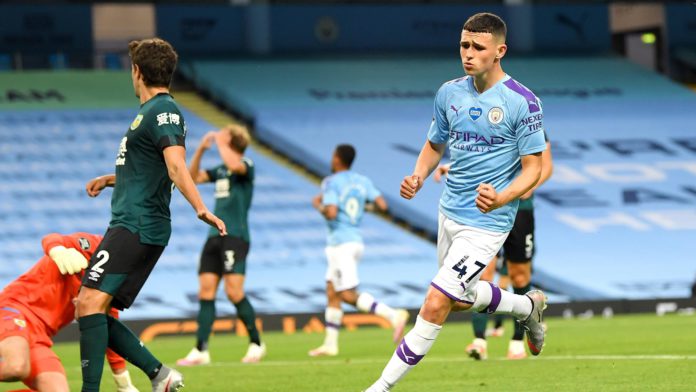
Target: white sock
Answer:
pixel 410 351
pixel 491 299
pixel 366 303
pixel 332 318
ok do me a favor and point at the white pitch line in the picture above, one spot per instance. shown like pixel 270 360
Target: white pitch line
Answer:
pixel 334 362
pixel 383 361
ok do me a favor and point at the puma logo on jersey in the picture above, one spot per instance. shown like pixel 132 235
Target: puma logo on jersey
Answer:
pixel 94 276
pixel 456 110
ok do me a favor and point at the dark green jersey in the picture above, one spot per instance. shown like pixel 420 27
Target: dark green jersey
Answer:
pixel 140 201
pixel 233 198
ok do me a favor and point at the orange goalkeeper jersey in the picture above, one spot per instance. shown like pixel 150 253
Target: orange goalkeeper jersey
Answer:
pixel 43 290
pixel 47 295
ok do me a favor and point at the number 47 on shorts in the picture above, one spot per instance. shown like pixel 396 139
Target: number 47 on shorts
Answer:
pixel 461 267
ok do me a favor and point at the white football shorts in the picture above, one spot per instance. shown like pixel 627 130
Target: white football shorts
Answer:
pixel 462 253
pixel 343 261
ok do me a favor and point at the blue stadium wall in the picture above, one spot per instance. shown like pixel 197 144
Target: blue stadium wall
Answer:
pixel 274 29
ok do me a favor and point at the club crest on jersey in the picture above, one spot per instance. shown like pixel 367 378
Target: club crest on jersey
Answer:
pixel 475 113
pixel 136 122
pixel 20 323
pixel 495 115
pixel 84 243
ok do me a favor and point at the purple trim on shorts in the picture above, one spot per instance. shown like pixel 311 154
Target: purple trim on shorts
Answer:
pixel 495 299
pixel 9 309
pixel 450 296
pixel 373 307
pixel 332 325
pixel 405 354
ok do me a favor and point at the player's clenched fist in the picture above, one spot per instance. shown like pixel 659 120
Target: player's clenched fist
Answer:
pixel 410 186
pixel 487 198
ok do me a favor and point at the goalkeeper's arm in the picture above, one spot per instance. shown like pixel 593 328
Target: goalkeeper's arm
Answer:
pixel 68 259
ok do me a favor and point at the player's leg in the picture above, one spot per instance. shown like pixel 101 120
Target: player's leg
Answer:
pixel 347 260
pixel 14 344
pixel 234 288
pixel 478 349
pixel 117 272
pixel 498 329
pixel 417 342
pixel 209 276
pixel 333 316
pixel 432 315
pixel 458 282
pixel 47 373
pixel 14 348
pixel 91 305
pixel 519 250
pixel 235 251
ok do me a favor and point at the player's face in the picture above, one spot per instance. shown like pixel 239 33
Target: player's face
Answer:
pixel 479 52
pixel 334 163
pixel 135 75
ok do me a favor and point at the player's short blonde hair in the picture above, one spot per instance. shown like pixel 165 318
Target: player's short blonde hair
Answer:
pixel 240 136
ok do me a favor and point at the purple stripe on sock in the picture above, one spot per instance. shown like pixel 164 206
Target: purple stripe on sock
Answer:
pixel 452 297
pixel 373 307
pixel 332 325
pixel 404 352
pixel 495 299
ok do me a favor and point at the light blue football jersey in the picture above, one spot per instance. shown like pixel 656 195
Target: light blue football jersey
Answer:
pixel 349 191
pixel 486 134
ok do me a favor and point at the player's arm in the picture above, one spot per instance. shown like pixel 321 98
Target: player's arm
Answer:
pixel 441 172
pixel 61 250
pixel 197 174
pixel 489 199
pixel 433 149
pixel 546 170
pixel 376 202
pixel 429 157
pixel 175 159
pixel 231 158
pixel 97 184
pixel 328 211
pixel 380 203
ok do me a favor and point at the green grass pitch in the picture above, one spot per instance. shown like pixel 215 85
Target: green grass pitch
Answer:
pixel 625 353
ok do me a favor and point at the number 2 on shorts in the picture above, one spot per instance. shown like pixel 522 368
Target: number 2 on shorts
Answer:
pixel 103 257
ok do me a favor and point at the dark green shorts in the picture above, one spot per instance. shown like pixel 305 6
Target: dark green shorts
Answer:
pixel 224 255
pixel 121 265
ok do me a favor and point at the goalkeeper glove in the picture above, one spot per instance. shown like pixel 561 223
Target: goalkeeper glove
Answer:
pixel 68 260
pixel 123 382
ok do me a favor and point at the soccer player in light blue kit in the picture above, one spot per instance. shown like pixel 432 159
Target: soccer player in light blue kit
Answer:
pixel 343 199
pixel 493 128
